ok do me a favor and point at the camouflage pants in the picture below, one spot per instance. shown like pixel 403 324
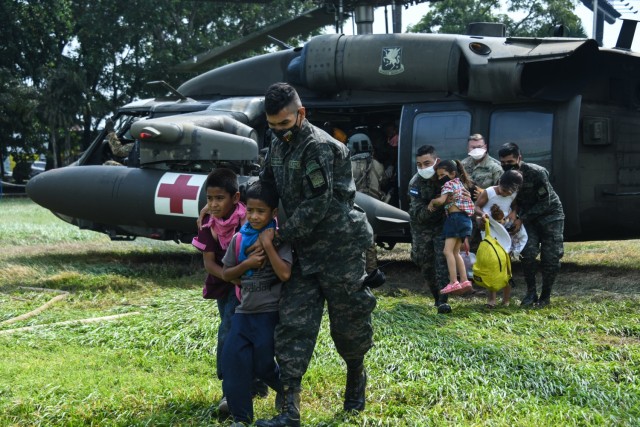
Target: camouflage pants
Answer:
pixel 546 240
pixel 426 253
pixel 371 256
pixel 301 308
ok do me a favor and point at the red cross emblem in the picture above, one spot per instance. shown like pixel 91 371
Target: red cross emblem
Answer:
pixel 178 192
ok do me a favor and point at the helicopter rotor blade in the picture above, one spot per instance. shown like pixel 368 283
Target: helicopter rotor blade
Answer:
pixel 300 25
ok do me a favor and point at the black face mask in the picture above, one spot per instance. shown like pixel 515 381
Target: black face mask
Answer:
pixel 510 167
pixel 444 180
pixel 288 135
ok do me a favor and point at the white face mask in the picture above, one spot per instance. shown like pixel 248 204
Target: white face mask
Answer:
pixel 477 153
pixel 427 172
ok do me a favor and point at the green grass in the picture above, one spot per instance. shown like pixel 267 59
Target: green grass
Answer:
pixel 574 363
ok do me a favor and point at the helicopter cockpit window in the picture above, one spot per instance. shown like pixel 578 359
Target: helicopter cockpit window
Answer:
pixel 447 131
pixel 531 130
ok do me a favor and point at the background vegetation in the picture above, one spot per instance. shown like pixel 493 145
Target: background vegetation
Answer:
pixel 574 363
pixel 66 64
pixel 523 18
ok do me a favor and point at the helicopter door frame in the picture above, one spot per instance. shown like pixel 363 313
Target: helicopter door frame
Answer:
pixel 559 128
pixel 452 121
pixel 566 173
pixel 547 134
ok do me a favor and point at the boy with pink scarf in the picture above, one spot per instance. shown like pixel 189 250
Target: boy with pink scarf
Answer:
pixel 220 219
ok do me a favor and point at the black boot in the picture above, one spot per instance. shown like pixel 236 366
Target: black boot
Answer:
pixel 290 414
pixel 441 304
pixel 354 399
pixel 545 295
pixel 531 297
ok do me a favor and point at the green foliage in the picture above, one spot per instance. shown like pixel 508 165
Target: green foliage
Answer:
pixel 453 16
pixel 85 59
pixel 525 18
pixel 18 106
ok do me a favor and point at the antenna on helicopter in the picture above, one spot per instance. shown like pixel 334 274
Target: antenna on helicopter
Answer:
pixel 169 88
pixel 280 43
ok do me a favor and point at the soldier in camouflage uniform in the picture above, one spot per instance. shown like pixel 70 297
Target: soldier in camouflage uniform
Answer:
pixel 119 150
pixel 426 227
pixel 484 171
pixel 312 174
pixel 539 209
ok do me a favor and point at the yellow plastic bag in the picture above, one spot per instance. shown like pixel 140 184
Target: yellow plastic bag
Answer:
pixel 492 269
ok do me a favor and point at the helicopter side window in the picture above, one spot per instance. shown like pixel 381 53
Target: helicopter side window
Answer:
pixel 447 131
pixel 532 131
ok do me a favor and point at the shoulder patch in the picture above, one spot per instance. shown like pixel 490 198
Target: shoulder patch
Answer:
pixel 414 191
pixel 294 164
pixel 316 179
pixel 312 166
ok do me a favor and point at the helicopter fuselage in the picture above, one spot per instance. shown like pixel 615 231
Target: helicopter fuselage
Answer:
pixel 571 106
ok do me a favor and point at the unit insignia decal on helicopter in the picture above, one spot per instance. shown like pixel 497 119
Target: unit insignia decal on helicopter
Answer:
pixel 391 62
pixel 177 194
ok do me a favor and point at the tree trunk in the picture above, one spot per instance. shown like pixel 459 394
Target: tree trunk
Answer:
pixel 66 158
pixel 54 149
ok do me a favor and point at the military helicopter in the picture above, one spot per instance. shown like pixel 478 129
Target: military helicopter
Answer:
pixel 572 107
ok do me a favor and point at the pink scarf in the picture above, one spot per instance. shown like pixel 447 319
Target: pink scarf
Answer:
pixel 224 229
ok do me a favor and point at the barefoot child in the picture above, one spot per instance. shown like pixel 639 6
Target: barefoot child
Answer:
pixel 457 226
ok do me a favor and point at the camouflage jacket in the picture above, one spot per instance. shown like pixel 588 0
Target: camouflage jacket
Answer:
pixel 421 192
pixel 484 174
pixel 537 200
pixel 313 178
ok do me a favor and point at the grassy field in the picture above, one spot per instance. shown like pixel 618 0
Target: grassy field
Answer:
pixel 574 363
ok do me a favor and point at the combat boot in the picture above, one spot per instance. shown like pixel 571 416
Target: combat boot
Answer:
pixel 290 414
pixel 444 308
pixel 531 297
pixel 545 296
pixel 354 398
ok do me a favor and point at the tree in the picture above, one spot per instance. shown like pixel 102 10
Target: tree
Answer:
pixel 18 104
pixel 526 18
pixel 121 45
pixel 60 97
pixel 34 34
pixel 85 59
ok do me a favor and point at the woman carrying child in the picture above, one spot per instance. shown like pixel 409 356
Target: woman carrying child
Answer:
pixel 457 226
pixel 497 202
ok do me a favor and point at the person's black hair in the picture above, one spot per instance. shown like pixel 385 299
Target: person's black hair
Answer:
pixel 455 166
pixel 263 192
pixel 511 180
pixel 223 178
pixel 279 96
pixel 426 149
pixel 509 149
